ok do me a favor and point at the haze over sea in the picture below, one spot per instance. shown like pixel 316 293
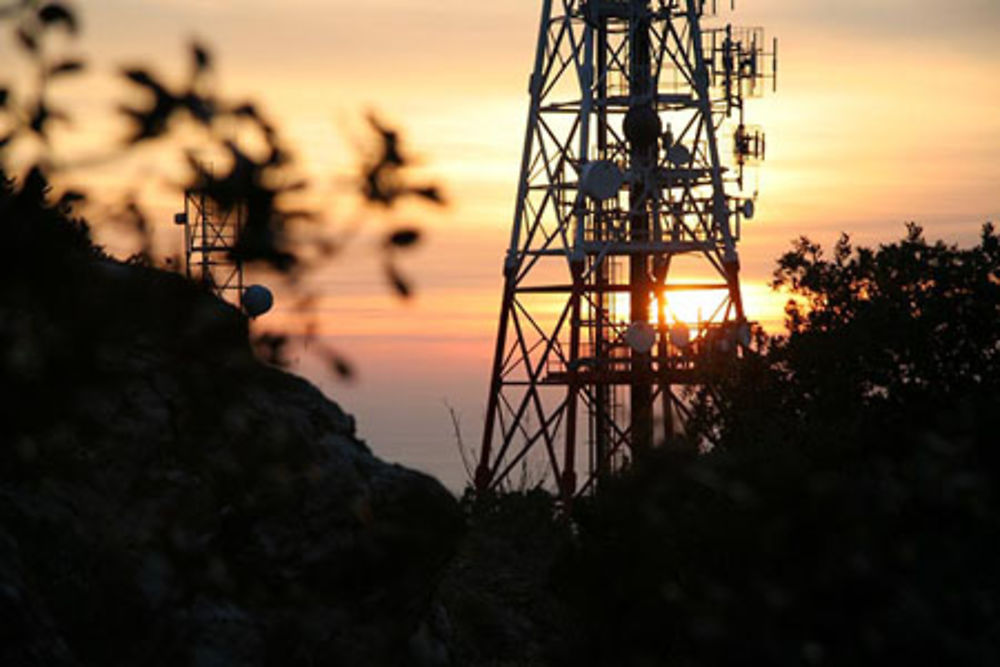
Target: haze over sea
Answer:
pixel 885 112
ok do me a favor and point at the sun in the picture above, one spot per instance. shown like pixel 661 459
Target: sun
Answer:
pixel 681 306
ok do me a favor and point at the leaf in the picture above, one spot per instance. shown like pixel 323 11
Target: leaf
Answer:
pixel 403 238
pixel 341 367
pixel 201 109
pixel 71 197
pixel 39 118
pixel 430 193
pixel 150 122
pixel 66 67
pixel 56 13
pixel 391 155
pixel 141 77
pixel 202 58
pixel 399 284
pixel 247 110
pixel 27 41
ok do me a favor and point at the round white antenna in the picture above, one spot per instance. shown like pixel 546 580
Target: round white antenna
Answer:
pixel 641 336
pixel 601 179
pixel 678 154
pixel 257 300
pixel 680 335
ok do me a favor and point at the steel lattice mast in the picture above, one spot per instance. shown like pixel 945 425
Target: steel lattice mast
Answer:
pixel 622 177
pixel 210 236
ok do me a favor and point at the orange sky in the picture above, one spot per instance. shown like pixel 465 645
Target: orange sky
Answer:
pixel 886 112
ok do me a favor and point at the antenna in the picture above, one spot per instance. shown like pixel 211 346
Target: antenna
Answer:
pixel 210 236
pixel 624 179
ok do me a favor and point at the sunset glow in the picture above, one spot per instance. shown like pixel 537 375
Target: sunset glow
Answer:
pixel 886 112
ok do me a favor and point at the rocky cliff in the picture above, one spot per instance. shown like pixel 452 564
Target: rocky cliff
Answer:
pixel 166 499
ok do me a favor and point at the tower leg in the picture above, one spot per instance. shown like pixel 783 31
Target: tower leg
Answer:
pixel 567 484
pixel 484 474
pixel 642 154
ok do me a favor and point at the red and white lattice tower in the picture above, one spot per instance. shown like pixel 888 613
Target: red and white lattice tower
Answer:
pixel 632 173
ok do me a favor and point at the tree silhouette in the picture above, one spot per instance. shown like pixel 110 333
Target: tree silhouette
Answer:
pixel 849 512
pixel 903 330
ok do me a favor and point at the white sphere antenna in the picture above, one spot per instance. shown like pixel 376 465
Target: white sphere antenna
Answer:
pixel 641 336
pixel 679 155
pixel 257 300
pixel 680 335
pixel 601 180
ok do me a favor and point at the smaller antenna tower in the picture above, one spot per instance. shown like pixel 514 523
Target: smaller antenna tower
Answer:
pixel 210 235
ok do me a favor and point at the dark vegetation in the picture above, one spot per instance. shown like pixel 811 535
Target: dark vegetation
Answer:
pixel 847 515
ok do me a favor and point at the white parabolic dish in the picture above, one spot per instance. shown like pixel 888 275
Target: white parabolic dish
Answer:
pixel 679 155
pixel 601 180
pixel 257 300
pixel 680 335
pixel 641 337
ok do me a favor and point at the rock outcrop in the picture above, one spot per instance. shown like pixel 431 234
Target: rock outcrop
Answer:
pixel 166 499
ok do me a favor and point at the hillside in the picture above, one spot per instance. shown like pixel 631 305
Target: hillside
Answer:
pixel 166 499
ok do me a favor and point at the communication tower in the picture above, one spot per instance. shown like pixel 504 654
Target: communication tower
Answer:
pixel 210 234
pixel 632 174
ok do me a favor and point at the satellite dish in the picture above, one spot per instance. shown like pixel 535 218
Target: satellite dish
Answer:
pixel 748 209
pixel 257 300
pixel 680 335
pixel 601 179
pixel 678 154
pixel 641 337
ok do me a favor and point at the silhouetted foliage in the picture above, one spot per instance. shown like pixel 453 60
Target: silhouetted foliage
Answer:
pixel 55 13
pixel 498 590
pixel 849 512
pixel 383 182
pixel 899 331
pixel 259 185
